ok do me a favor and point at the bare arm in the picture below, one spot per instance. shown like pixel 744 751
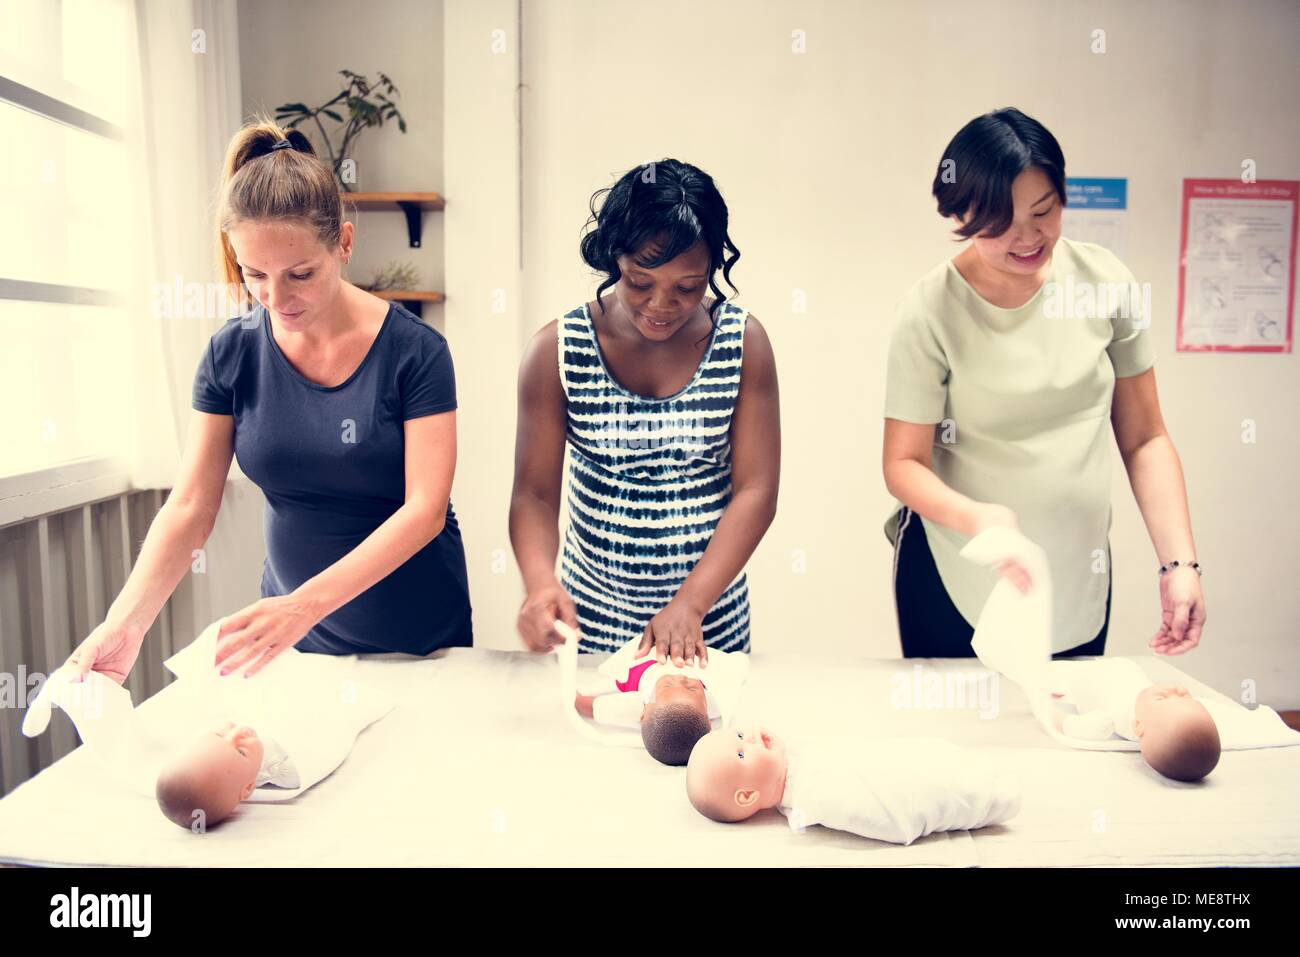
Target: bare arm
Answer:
pixel 1156 475
pixel 179 529
pixel 677 630
pixel 535 498
pixel 755 477
pixel 909 476
pixel 1154 470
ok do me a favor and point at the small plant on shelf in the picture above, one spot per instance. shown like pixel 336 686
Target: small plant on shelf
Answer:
pixel 394 277
pixel 355 99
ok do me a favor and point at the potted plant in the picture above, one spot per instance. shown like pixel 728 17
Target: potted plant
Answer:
pixel 355 99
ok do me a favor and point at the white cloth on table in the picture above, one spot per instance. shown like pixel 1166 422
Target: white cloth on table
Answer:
pixel 308 707
pixel 1103 692
pixel 722 679
pixel 1013 638
pixel 894 790
pixel 277 767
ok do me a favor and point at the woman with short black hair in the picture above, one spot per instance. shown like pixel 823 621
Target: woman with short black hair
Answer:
pixel 998 394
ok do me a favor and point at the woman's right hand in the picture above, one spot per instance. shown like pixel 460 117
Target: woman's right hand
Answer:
pixel 987 515
pixel 537 617
pixel 110 649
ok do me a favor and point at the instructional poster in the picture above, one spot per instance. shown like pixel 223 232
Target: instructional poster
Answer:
pixel 1236 274
pixel 1096 211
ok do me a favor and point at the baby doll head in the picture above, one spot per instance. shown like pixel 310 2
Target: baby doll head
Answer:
pixel 735 772
pixel 675 717
pixel 1179 738
pixel 216 771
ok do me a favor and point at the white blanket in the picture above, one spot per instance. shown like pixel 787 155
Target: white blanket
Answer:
pixel 894 790
pixel 1013 638
pixel 437 783
pixel 312 705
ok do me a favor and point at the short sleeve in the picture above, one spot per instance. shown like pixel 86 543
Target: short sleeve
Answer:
pixel 916 377
pixel 210 393
pixel 429 386
pixel 1130 344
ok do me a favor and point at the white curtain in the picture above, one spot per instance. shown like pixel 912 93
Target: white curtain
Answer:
pixel 188 108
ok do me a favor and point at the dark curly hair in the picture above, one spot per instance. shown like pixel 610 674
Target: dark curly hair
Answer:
pixel 669 199
pixel 671 732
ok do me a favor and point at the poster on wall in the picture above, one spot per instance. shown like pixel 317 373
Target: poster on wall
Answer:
pixel 1236 271
pixel 1096 212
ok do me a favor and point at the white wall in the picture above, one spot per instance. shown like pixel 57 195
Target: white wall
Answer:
pixel 825 159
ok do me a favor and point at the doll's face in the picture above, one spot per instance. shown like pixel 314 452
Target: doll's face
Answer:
pixel 225 760
pixel 673 689
pixel 737 771
pixel 1162 708
pixel 1178 736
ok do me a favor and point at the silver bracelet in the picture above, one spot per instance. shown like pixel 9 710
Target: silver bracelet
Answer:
pixel 1169 566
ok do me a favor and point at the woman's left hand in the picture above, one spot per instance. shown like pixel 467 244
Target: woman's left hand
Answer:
pixel 676 632
pixel 1182 612
pixel 261 631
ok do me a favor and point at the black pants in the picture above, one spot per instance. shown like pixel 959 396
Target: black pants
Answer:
pixel 929 624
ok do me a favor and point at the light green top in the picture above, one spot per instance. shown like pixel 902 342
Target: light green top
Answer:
pixel 1021 400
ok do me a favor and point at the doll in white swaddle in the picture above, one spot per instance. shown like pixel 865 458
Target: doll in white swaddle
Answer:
pixel 672 705
pixel 894 790
pixel 268 738
pixel 1111 697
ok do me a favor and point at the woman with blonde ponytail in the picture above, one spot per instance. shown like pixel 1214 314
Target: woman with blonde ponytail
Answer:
pixel 341 407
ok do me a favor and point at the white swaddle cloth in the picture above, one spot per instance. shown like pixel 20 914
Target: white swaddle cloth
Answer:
pixel 1013 638
pixel 894 790
pixel 723 678
pixel 311 706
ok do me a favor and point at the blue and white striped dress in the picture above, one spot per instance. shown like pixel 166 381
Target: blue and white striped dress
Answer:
pixel 649 479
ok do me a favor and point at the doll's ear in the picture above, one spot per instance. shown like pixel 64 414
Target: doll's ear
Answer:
pixel 745 797
pixel 1137 728
pixel 248 789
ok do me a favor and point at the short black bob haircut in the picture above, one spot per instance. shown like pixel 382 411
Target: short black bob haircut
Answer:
pixel 667 200
pixel 983 160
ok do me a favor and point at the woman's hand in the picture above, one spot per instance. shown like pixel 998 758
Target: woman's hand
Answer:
pixel 988 515
pixel 677 631
pixel 538 614
pixel 1182 612
pixel 111 649
pixel 261 631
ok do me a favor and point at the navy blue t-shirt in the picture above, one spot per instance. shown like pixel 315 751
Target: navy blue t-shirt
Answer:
pixel 331 463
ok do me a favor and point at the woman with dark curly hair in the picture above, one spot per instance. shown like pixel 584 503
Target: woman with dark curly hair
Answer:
pixel 668 403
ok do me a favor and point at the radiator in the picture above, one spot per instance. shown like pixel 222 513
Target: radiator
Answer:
pixel 58 574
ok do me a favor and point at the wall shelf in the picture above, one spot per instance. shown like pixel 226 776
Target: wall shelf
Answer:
pixel 413 205
pixel 412 299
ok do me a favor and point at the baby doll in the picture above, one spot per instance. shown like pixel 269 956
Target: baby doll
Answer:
pixel 1013 636
pixel 218 770
pixel 1113 696
pixel 672 705
pixel 890 790
pixel 307 711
